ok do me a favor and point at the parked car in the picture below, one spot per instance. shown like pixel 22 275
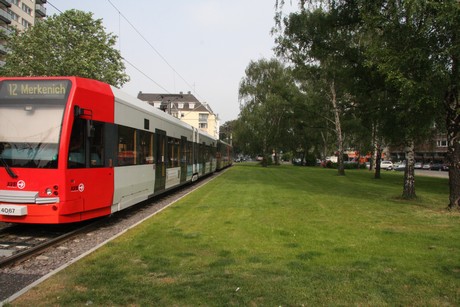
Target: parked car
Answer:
pixel 297 161
pixel 387 165
pixel 418 165
pixel 436 167
pixel 427 166
pixel 400 167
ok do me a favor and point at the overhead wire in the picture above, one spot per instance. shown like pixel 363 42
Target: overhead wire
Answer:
pixel 55 7
pixel 153 48
pixel 124 59
pixel 145 75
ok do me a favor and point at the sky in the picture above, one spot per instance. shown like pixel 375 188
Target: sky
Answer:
pixel 201 46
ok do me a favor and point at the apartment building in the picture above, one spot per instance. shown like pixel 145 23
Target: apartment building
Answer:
pixel 187 108
pixel 19 14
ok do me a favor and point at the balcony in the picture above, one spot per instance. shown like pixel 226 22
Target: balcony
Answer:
pixel 6 3
pixel 3 49
pixel 40 10
pixel 5 17
pixel 5 31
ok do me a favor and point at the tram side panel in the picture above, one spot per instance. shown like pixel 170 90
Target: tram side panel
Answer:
pixel 85 144
pixel 175 159
pixel 207 150
pixel 224 155
pixel 151 152
pixel 66 186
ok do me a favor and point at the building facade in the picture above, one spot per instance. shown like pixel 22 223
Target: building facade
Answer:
pixel 18 14
pixel 187 108
pixel 433 150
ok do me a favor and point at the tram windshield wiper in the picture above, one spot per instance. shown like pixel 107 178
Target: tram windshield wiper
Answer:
pixel 8 169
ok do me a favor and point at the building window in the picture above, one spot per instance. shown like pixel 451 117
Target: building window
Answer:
pixel 14 16
pixel 27 9
pixel 25 23
pixel 157 104
pixel 191 105
pixel 15 2
pixel 441 143
pixel 180 105
pixel 203 118
pixel 203 125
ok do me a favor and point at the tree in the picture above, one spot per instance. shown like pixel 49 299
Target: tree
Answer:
pixel 321 43
pixel 69 44
pixel 267 94
pixel 414 46
pixel 226 131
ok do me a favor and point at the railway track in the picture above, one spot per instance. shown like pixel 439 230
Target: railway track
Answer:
pixel 19 242
pixel 17 274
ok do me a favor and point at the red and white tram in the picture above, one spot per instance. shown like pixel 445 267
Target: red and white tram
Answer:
pixel 73 149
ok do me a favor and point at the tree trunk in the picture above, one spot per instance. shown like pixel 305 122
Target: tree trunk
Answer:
pixel 372 163
pixel 338 130
pixel 377 159
pixel 325 148
pixel 453 150
pixel 409 172
pixel 452 107
pixel 454 177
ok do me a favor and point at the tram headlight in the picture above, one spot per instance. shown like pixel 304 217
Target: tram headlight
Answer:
pixel 49 192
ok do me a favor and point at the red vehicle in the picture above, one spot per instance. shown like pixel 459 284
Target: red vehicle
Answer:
pixel 73 149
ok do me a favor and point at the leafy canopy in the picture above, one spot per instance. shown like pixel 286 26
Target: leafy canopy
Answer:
pixel 69 44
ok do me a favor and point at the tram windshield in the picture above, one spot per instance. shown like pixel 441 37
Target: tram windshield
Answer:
pixel 31 113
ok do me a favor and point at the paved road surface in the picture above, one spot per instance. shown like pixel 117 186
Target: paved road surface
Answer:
pixel 440 174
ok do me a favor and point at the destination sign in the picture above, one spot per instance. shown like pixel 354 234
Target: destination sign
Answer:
pixel 34 89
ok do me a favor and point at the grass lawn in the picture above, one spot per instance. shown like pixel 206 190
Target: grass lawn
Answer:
pixel 278 236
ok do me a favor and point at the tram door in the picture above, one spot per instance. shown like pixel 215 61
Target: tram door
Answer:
pixel 160 154
pixel 183 159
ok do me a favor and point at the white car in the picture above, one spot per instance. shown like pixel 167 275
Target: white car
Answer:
pixel 388 165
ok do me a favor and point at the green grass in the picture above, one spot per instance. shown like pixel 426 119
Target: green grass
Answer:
pixel 278 236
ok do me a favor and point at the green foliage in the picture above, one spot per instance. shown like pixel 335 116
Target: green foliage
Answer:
pixel 412 71
pixel 310 160
pixel 268 96
pixel 287 156
pixel 69 44
pixel 394 63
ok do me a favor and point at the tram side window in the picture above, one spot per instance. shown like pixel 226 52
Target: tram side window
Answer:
pixel 201 153
pixel 97 145
pixel 190 153
pixel 207 157
pixel 126 149
pixel 145 147
pixel 177 148
pixel 77 145
pixel 173 152
pixel 79 142
pixel 213 151
pixel 184 152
